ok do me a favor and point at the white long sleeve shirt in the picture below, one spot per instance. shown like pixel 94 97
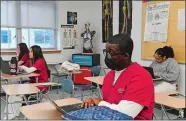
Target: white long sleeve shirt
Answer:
pixel 28 70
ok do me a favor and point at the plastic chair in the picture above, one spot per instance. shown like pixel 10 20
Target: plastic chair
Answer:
pixel 67 86
pixel 95 72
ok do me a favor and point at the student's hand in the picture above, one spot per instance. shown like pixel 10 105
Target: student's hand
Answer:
pixel 20 69
pixel 96 101
pixel 89 102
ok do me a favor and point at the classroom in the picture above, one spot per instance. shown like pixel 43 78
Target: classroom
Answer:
pixel 93 60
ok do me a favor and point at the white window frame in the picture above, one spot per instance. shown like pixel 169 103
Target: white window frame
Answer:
pixel 19 28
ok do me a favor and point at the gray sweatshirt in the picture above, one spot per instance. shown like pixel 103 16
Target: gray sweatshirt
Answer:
pixel 167 70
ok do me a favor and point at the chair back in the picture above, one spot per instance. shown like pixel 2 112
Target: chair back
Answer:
pixel 95 70
pixel 67 86
pixel 49 73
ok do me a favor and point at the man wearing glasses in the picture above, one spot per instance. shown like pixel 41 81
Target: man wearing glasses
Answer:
pixel 128 87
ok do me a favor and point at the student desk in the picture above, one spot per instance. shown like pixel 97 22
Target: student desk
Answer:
pixel 18 89
pixel 46 111
pixel 96 79
pixel 19 76
pixel 164 99
pixel 53 65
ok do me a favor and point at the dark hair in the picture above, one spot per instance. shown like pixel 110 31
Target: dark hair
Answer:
pixel 166 51
pixel 169 52
pixel 160 52
pixel 23 49
pixel 124 41
pixel 37 54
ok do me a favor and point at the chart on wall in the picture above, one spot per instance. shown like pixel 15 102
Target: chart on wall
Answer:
pixel 156 26
pixel 69 37
pixel 125 17
pixel 107 22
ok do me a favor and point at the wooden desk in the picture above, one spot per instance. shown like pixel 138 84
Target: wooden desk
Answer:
pixel 19 76
pixel 8 76
pixel 96 79
pixel 45 84
pixel 46 111
pixel 18 89
pixel 164 99
pixel 53 63
pixel 157 79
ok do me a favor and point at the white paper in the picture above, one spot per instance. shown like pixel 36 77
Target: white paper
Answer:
pixel 156 26
pixel 181 19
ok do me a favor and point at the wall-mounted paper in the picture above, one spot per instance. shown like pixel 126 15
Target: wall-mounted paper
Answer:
pixel 156 26
pixel 181 19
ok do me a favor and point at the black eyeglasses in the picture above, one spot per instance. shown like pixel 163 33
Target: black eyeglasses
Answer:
pixel 109 55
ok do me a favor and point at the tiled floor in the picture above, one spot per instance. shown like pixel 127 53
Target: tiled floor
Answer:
pixel 54 97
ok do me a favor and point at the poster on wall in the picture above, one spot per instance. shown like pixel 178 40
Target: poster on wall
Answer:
pixel 156 25
pixel 181 19
pixel 69 37
pixel 125 17
pixel 71 17
pixel 107 22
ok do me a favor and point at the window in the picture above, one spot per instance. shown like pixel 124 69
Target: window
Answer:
pixel 31 22
pixel 8 38
pixel 41 37
pixel 4 36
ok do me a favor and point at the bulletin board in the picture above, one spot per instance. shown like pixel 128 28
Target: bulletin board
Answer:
pixel 175 37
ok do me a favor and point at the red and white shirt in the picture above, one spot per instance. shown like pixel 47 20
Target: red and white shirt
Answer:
pixel 134 84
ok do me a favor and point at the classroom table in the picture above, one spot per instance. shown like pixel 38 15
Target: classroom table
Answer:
pixel 18 89
pixel 45 110
pixel 164 99
pixel 53 65
pixel 19 76
pixel 96 79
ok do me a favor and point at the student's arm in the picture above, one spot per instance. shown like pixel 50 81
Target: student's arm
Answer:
pixel 28 70
pixel 151 65
pixel 20 63
pixel 171 73
pixel 127 107
pixel 23 60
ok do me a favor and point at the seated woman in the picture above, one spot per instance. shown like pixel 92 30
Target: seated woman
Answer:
pixel 167 68
pixel 22 55
pixel 23 59
pixel 38 65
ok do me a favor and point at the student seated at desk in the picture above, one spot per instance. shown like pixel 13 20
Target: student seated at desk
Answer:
pixel 23 59
pixel 39 66
pixel 128 87
pixel 167 68
pixel 22 55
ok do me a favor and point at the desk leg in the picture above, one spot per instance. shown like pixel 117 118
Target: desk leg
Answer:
pixel 6 81
pixel 181 113
pixel 100 94
pixel 6 106
pixel 37 95
pixel 21 80
pixel 26 101
pixel 164 111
